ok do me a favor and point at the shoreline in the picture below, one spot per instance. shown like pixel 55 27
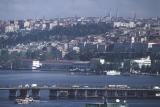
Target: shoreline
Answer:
pixel 66 71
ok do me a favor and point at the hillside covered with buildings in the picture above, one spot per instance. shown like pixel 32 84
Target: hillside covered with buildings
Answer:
pixel 81 43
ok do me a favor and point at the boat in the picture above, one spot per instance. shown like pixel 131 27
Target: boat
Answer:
pixel 106 104
pixel 119 86
pixel 75 86
pixel 27 100
pixel 112 72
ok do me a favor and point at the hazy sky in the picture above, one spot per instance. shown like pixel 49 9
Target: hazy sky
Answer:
pixel 23 9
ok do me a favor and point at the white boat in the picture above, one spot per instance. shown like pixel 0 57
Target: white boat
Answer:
pixel 75 86
pixel 27 100
pixel 112 72
pixel 118 103
pixel 119 86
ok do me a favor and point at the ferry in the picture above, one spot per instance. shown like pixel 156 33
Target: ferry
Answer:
pixel 27 100
pixel 112 72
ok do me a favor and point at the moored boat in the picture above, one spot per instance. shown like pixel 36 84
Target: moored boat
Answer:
pixel 112 72
pixel 27 100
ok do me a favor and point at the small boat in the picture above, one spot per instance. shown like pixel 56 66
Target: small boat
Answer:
pixel 27 100
pixel 106 104
pixel 112 72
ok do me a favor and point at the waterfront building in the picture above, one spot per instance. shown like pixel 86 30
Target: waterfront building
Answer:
pixel 65 65
pixel 36 64
pixel 143 62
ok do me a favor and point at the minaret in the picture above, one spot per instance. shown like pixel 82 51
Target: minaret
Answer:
pixel 105 14
pixel 110 14
pixel 135 16
pixel 116 13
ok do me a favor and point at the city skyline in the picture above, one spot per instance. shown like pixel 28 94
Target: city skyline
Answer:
pixel 29 9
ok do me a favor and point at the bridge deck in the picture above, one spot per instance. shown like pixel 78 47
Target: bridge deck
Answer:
pixel 81 88
pixel 83 92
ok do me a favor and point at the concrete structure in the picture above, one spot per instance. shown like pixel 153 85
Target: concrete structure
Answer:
pixel 119 92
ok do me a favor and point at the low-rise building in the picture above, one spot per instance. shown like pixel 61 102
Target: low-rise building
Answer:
pixel 143 62
pixel 124 24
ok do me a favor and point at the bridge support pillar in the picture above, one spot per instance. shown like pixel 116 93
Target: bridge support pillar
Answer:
pixel 36 93
pixel 75 93
pixel 92 93
pixel 116 94
pixel 12 94
pixel 131 94
pixel 95 93
pixel 85 93
pixel 52 94
pixel 24 93
pixel 100 93
pixel 57 94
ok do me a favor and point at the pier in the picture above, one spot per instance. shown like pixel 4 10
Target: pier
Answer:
pixel 83 92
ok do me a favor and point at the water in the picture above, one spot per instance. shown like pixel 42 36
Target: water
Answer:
pixel 68 79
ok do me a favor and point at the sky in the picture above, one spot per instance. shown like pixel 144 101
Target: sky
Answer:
pixel 33 9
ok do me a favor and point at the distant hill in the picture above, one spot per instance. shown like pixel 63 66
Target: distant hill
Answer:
pixel 57 33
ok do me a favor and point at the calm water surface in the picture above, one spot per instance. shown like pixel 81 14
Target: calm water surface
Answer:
pixel 69 79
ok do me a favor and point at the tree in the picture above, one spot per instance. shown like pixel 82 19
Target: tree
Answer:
pixel 135 66
pixel 73 55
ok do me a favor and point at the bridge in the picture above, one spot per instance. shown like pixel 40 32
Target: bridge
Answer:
pixel 83 92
